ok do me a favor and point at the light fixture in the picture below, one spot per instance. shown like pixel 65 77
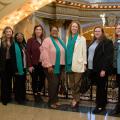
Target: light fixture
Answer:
pixel 71 3
pixel 79 4
pixel 105 6
pixel 101 6
pixel 83 6
pixel 88 6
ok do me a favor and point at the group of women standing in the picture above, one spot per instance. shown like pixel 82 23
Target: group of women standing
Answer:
pixel 11 62
pixel 51 58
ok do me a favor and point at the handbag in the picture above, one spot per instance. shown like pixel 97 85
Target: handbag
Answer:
pixel 85 83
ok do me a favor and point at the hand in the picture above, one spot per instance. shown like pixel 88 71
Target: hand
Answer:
pixel 16 73
pixel 31 69
pixel 102 73
pixel 50 70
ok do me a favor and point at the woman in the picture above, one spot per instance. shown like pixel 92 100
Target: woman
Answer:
pixel 100 60
pixel 5 65
pixel 53 60
pixel 76 59
pixel 18 57
pixel 33 61
pixel 116 66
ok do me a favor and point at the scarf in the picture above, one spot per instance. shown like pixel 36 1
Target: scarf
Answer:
pixel 19 59
pixel 70 50
pixel 57 62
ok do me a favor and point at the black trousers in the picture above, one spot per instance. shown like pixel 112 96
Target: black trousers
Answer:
pixel 6 83
pixel 101 87
pixel 38 78
pixel 20 87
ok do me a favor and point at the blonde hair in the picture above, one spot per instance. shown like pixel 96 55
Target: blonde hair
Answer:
pixel 69 28
pixel 3 38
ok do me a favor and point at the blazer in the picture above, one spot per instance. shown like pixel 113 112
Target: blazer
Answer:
pixel 33 52
pixel 3 51
pixel 103 57
pixel 48 53
pixel 79 55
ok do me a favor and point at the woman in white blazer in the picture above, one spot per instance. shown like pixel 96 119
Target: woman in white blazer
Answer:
pixel 76 59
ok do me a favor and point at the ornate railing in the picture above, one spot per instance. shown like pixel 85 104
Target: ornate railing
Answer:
pixel 112 91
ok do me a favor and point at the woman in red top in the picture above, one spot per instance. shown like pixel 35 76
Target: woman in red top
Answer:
pixel 33 61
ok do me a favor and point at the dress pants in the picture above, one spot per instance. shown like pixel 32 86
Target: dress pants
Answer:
pixel 74 83
pixel 20 88
pixel 53 84
pixel 101 87
pixel 6 83
pixel 38 78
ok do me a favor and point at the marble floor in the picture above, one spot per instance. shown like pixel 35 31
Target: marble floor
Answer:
pixel 41 111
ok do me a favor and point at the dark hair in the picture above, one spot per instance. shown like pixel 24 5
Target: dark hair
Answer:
pixel 118 24
pixel 103 33
pixel 23 42
pixel 43 32
pixel 53 26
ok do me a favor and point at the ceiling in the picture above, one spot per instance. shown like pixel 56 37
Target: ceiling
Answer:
pixel 13 11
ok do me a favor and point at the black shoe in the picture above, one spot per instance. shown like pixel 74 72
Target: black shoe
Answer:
pixel 4 103
pixel 98 110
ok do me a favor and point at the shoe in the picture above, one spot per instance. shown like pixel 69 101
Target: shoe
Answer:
pixel 4 103
pixel 57 103
pixel 53 106
pixel 75 104
pixel 98 110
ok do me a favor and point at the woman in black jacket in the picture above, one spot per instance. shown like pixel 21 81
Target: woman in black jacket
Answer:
pixel 18 58
pixel 5 65
pixel 100 60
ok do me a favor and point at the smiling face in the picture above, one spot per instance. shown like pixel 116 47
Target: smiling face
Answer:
pixel 54 32
pixel 8 33
pixel 38 31
pixel 19 37
pixel 74 28
pixel 98 32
